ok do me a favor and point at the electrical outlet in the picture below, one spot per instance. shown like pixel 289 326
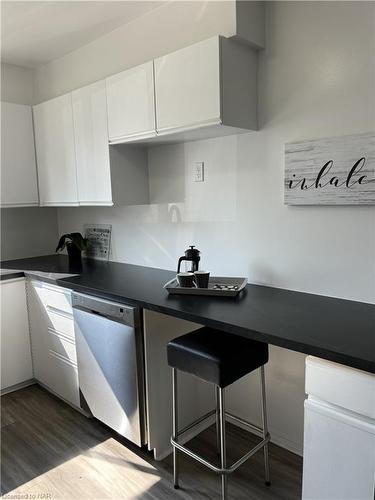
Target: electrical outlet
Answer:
pixel 198 171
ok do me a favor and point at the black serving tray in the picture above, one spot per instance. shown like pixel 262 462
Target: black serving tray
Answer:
pixel 217 285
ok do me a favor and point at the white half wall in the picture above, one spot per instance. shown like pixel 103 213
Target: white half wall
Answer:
pixel 316 79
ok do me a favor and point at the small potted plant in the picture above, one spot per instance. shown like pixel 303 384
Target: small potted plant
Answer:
pixel 75 244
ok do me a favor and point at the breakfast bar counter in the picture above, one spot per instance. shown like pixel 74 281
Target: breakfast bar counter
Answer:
pixel 334 329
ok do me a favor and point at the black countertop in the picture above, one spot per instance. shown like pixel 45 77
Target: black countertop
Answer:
pixel 10 275
pixel 335 329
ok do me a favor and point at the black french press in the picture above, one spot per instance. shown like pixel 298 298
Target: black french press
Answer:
pixel 191 254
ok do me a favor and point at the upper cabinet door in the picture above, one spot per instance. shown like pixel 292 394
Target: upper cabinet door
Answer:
pixel 92 150
pixel 187 87
pixel 131 104
pixel 55 149
pixel 18 168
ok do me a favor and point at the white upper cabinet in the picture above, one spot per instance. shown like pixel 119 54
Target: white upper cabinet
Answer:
pixel 210 83
pixel 55 149
pixel 131 105
pixel 18 168
pixel 206 90
pixel 75 163
pixel 91 140
pixel 188 86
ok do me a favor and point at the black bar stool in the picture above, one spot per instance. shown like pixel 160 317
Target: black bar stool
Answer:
pixel 220 358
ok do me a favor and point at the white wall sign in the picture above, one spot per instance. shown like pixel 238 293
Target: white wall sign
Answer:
pixel 99 236
pixel 335 171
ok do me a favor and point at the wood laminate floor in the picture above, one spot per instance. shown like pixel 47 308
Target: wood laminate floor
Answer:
pixel 50 451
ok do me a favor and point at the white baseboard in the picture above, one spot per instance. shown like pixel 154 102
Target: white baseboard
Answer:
pixel 16 387
pixel 77 408
pixel 284 442
pixel 276 436
pixel 279 439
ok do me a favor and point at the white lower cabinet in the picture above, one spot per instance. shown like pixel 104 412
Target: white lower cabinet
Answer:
pixel 16 365
pixel 339 435
pixel 52 339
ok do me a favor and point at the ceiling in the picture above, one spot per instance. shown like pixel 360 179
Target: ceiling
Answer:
pixel 34 33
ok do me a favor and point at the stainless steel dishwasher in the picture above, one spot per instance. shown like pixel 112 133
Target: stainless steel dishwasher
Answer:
pixel 111 364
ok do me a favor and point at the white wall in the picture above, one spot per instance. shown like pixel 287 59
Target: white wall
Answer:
pixel 316 79
pixel 167 28
pixel 173 25
pixel 25 232
pixel 28 232
pixel 17 84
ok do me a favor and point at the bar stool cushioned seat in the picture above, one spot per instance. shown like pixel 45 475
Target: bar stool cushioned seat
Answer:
pixel 215 356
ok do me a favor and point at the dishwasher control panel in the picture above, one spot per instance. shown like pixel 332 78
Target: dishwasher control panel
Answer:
pixel 95 305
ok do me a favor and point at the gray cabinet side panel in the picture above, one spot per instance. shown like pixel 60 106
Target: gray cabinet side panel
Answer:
pixel 239 74
pixel 129 174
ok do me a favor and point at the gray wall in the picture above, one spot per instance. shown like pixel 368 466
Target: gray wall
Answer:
pixel 25 232
pixel 28 232
pixel 316 79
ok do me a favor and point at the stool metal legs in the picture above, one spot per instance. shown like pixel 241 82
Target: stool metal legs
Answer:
pixel 175 426
pixel 265 425
pixel 223 470
pixel 223 448
pixel 217 420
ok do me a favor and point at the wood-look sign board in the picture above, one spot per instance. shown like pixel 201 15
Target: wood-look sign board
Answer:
pixel 334 171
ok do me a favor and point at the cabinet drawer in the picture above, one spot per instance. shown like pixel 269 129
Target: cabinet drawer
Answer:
pixel 63 346
pixel 55 297
pixel 340 385
pixel 63 379
pixel 61 322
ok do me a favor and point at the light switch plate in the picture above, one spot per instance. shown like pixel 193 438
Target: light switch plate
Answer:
pixel 198 171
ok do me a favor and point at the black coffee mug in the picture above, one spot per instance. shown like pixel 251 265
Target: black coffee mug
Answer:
pixel 202 278
pixel 186 280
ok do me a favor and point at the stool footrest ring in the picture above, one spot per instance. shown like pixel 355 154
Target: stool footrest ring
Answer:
pixel 213 467
pixel 228 416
